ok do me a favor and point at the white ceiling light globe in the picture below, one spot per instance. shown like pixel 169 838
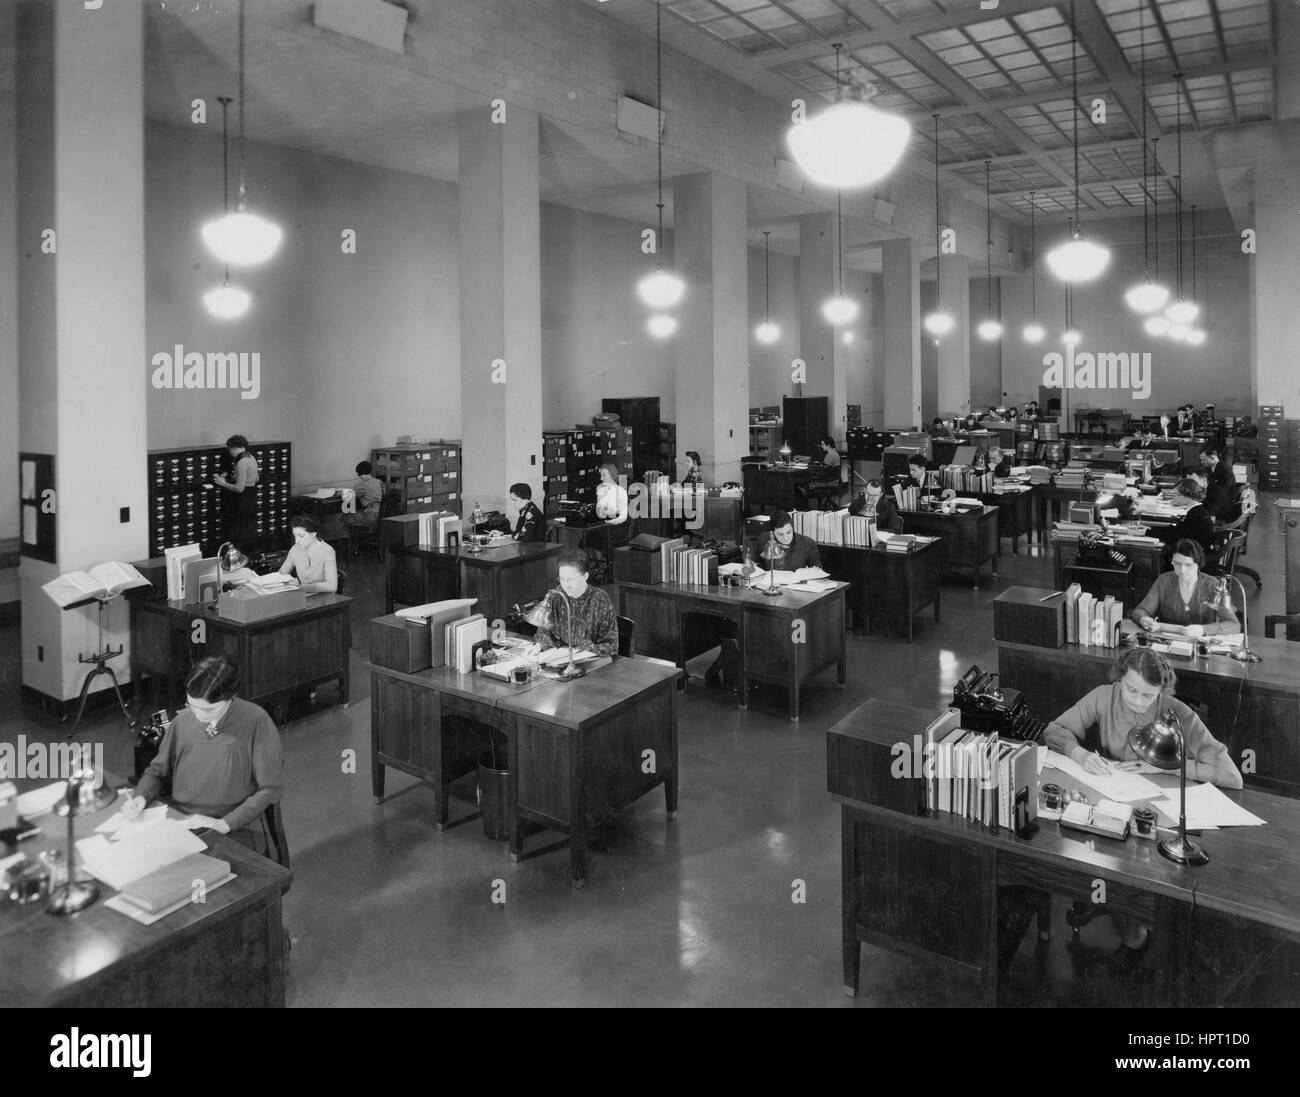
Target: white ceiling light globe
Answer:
pixel 767 333
pixel 661 325
pixel 1078 260
pixel 938 323
pixel 661 290
pixel 840 310
pixel 1196 337
pixel 850 144
pixel 242 239
pixel 1034 333
pixel 989 330
pixel 1071 337
pixel 1179 332
pixel 1147 297
pixel 1182 312
pixel 847 338
pixel 227 302
pixel 1156 325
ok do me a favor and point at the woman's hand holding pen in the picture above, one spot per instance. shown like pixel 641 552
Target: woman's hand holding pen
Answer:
pixel 1091 761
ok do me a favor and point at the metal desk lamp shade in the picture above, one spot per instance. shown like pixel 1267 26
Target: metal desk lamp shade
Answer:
pixel 230 559
pixel 773 553
pixel 1162 744
pixel 540 617
pixel 84 798
pixel 1223 600
pixel 785 452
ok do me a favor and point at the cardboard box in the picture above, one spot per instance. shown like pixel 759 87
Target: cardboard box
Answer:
pixel 245 606
pixel 1027 615
pixel 400 644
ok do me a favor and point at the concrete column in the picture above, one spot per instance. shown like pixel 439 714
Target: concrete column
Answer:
pixel 83 367
pixel 712 387
pixel 901 297
pixel 500 305
pixel 954 348
pixel 823 353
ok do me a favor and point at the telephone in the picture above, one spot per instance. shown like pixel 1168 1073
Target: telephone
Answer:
pixel 986 707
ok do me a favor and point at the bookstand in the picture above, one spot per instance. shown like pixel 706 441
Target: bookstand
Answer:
pixel 98 661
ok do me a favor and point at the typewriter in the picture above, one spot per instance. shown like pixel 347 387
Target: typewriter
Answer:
pixel 577 513
pixel 987 708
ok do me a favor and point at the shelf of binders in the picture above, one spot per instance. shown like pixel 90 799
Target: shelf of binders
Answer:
pixel 427 474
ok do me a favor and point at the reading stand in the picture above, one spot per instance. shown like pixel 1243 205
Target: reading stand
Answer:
pixel 99 664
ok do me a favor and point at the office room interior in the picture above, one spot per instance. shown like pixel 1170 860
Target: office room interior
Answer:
pixel 465 200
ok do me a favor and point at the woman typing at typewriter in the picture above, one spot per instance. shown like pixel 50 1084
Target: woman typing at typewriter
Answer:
pixel 1140 691
pixel 1182 598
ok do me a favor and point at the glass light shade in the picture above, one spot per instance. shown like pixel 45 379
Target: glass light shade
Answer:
pixel 1182 312
pixel 840 310
pixel 1034 332
pixel 1071 337
pixel 1147 296
pixel 847 338
pixel 661 325
pixel 242 239
pixel 850 144
pixel 1196 337
pixel 1078 260
pixel 227 302
pixel 1156 325
pixel 1178 332
pixel 990 330
pixel 767 332
pixel 938 323
pixel 661 290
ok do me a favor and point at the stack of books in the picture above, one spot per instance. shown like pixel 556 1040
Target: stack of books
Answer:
pixel 980 777
pixel 963 478
pixel 1038 474
pixel 679 564
pixel 903 542
pixel 836 527
pixel 439 529
pixel 907 498
pixel 1072 478
pixel 1092 620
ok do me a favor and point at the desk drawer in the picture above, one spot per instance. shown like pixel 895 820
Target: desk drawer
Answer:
pixel 1077 885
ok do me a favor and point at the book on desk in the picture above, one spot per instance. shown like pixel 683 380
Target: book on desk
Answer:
pixel 103 581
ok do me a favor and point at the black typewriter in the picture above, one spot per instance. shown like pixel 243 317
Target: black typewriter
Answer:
pixel 576 513
pixel 985 707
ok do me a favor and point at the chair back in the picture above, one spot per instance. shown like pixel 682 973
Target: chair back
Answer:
pixel 1225 559
pixel 390 505
pixel 626 627
pixel 279 844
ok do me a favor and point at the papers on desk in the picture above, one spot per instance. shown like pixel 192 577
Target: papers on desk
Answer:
pixel 1207 809
pixel 271 584
pixel 322 493
pixel 120 863
pixel 1116 784
pixel 118 826
pixel 814 586
pixel 553 658
pixel 789 578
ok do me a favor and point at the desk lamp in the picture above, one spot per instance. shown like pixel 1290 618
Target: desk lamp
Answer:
pixel 84 798
pixel 229 556
pixel 1223 600
pixel 773 553
pixel 785 453
pixel 540 617
pixel 1161 743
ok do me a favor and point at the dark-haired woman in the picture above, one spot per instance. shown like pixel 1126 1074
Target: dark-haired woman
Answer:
pixel 222 756
pixel 239 494
pixel 311 559
pixel 1180 597
pixel 1198 523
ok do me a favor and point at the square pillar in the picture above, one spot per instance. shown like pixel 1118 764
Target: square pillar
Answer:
pixel 901 294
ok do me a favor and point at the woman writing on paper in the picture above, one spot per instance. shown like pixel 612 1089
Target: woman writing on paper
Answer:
pixel 312 559
pixel 1142 688
pixel 1180 598
pixel 578 615
pixel 222 756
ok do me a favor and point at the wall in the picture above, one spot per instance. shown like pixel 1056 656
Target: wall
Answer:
pixel 986 358
pixel 1216 373
pixel 769 366
pixel 9 516
pixel 594 342
pixel 355 349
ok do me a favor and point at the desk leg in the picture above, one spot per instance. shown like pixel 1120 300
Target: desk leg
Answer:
pixel 514 825
pixel 670 783
pixel 577 810
pixel 842 663
pixel 851 951
pixel 681 652
pixel 742 694
pixel 792 684
pixel 936 605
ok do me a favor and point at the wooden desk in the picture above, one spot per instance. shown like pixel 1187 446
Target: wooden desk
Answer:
pixel 1016 510
pixel 710 517
pixel 498 576
pixel 969 538
pixel 775 488
pixel 275 657
pixel 887 585
pixel 1048 500
pixel 328 512
pixel 227 951
pixel 1148 561
pixel 770 646
pixel 575 749
pixel 926 885
pixel 1247 706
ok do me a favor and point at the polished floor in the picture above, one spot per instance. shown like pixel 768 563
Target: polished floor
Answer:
pixel 386 911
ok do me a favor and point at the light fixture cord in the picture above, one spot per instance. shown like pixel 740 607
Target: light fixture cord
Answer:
pixel 242 149
pixel 1178 188
pixel 1033 257
pixel 1155 202
pixel 224 100
pixel 839 234
pixel 767 281
pixel 938 295
pixel 659 144
pixel 1193 252
pixel 988 237
pixel 1074 81
pixel 1146 248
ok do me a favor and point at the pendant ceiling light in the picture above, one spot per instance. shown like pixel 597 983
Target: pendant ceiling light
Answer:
pixel 767 332
pixel 1181 313
pixel 1071 336
pixel 1146 296
pixel 851 143
pixel 1034 331
pixel 1197 335
pixel 662 289
pixel 840 309
pixel 661 325
pixel 241 239
pixel 226 302
pixel 990 328
pixel 937 322
pixel 1077 260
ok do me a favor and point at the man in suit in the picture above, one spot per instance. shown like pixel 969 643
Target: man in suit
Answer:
pixel 1220 490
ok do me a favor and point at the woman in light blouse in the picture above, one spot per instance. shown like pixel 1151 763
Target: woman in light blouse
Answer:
pixel 611 496
pixel 312 559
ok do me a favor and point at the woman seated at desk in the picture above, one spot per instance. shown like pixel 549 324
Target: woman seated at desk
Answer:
pixel 1198 523
pixel 798 551
pixel 611 496
pixel 312 559
pixel 531 523
pixel 578 615
pixel 694 474
pixel 1180 597
pixel 1140 691
pixel 222 756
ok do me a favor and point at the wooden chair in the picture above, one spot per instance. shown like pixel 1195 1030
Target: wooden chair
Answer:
pixel 1241 524
pixel 626 627
pixel 359 537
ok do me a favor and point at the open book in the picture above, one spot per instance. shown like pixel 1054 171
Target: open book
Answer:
pixel 102 581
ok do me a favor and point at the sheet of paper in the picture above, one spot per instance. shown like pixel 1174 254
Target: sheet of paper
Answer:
pixel 1114 785
pixel 119 863
pixel 1208 807
pixel 119 826
pixel 40 800
pixel 29 480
